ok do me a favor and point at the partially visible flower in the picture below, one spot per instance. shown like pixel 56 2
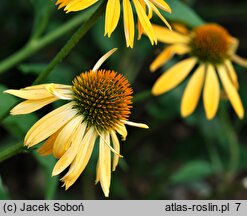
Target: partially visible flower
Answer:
pixel 144 10
pixel 99 106
pixel 211 50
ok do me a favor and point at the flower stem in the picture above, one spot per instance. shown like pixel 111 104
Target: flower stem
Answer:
pixel 9 151
pixel 37 44
pixel 233 146
pixel 214 157
pixel 63 52
pixel 70 44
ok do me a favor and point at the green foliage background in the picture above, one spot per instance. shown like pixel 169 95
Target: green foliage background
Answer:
pixel 175 159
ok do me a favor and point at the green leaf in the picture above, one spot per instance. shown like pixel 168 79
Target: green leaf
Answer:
pixel 182 13
pixel 192 171
pixel 3 191
pixel 47 163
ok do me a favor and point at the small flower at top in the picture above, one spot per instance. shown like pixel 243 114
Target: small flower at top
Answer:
pixel 112 15
pixel 211 50
pixel 99 106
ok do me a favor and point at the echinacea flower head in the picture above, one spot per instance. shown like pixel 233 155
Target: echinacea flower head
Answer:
pixel 210 50
pixel 143 8
pixel 99 103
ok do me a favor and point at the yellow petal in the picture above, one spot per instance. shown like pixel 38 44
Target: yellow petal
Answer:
pixel 44 86
pixel 129 28
pixel 173 76
pixel 180 28
pixel 47 147
pixel 65 94
pixel 239 60
pixel 77 5
pixel 134 124
pixel 121 129
pixel 139 26
pixel 232 73
pixel 108 160
pixel 192 92
pixel 231 91
pixel 29 106
pixel 211 93
pixel 105 170
pixel 103 59
pixel 62 3
pixel 34 94
pixel 111 16
pixel 82 158
pixel 160 15
pixel 71 153
pixel 162 5
pixel 116 146
pixel 97 172
pixel 166 36
pixel 147 27
pixel 64 139
pixel 167 54
pixel 49 124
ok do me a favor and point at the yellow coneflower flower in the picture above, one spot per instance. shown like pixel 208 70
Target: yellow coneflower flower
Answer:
pixel 99 106
pixel 112 15
pixel 210 47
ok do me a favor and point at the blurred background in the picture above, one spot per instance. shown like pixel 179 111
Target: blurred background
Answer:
pixel 176 158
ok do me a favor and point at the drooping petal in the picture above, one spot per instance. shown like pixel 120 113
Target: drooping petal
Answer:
pixel 192 92
pixel 105 166
pixel 44 86
pixel 173 76
pixel 108 160
pixel 29 106
pixel 61 93
pixel 162 5
pixel 97 172
pixel 47 147
pixel 211 93
pixel 77 5
pixel 129 27
pixel 32 94
pixel 36 92
pixel 239 60
pixel 112 16
pixel 82 158
pixel 116 146
pixel 49 124
pixel 121 129
pixel 146 25
pixel 167 54
pixel 160 15
pixel 166 36
pixel 180 28
pixel 64 139
pixel 232 73
pixel 139 25
pixel 231 91
pixel 71 153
